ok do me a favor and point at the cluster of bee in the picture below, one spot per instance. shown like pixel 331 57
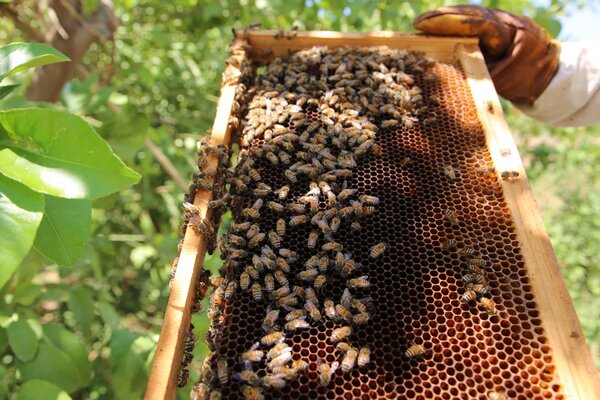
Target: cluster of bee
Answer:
pixel 184 372
pixel 349 90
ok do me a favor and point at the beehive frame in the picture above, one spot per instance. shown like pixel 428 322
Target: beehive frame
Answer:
pixel 570 352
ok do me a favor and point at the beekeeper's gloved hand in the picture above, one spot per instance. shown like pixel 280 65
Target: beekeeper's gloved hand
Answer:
pixel 521 56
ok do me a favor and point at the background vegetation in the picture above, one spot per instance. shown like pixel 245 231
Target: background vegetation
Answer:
pixel 151 87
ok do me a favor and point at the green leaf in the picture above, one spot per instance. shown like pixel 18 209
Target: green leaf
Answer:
pixel 20 215
pixel 129 363
pixel 41 390
pixel 58 153
pixel 65 229
pixel 53 365
pixel 26 293
pixel 3 341
pixel 108 314
pixel 17 57
pixel 81 303
pixel 5 90
pixel 22 340
pixel 72 346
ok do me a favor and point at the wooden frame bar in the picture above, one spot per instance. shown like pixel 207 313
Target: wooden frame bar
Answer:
pixel 576 370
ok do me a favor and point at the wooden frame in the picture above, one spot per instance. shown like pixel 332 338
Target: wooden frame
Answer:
pixel 576 370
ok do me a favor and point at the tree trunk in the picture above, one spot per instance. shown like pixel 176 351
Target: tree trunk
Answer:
pixel 81 33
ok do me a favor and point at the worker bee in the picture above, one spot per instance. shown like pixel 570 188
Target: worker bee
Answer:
pixel 241 227
pixel 377 250
pixel 488 305
pixel 281 360
pixel 476 262
pixel 269 283
pixel 312 310
pixel 291 176
pixel 340 334
pixel 450 172
pixel 359 305
pixel 361 318
pixel 285 372
pixel 319 282
pixel 254 175
pixel 451 216
pixel 248 376
pixel 281 292
pixel 364 356
pixel 222 371
pixel 296 324
pixel 509 174
pixel 308 275
pixel 278 350
pixel 250 213
pixel 481 288
pixel 289 254
pixel 468 296
pixel 329 308
pixel 252 393
pixel 281 278
pixel 298 220
pixel 274 239
pixel 199 391
pixel 326 371
pixel 256 240
pixel 299 365
pixel 237 253
pixel 296 313
pixel 467 251
pixel 332 246
pixel 253 356
pixel 230 290
pixel 272 158
pixel 313 236
pixel 450 243
pixel 288 301
pixel 355 226
pixel 262 190
pixel 270 319
pixel 283 192
pixel 361 282
pixel 272 338
pixel 473 278
pixel 297 207
pixel 280 227
pixel 250 270
pixel 493 395
pixel 276 207
pixel 389 123
pixel 415 350
pixel 283 265
pixel 257 292
pixel 268 252
pixel 343 312
pixel 349 360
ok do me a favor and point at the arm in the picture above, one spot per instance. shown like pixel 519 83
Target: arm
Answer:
pixel 573 96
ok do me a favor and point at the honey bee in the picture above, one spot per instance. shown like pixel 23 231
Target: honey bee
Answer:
pixel 278 349
pixel 288 301
pixel 280 227
pixel 332 246
pixel 253 356
pixel 467 251
pixel 254 175
pixel 359 305
pixel 248 376
pixel 326 371
pixel 340 334
pixel 298 220
pixel 468 296
pixel 222 371
pixel 349 360
pixel 281 292
pixel 257 292
pixel 250 270
pixel 269 283
pixel 343 312
pixel 329 308
pixel 256 240
pixel 377 250
pixel 488 305
pixel 241 227
pixel 312 310
pixel 296 324
pixel 361 282
pixel 355 226
pixel 251 213
pixel 473 278
pixel 313 236
pixel 230 290
pixel 450 172
pixel 296 313
pixel 272 338
pixel 451 216
pixel 476 262
pixel 283 265
pixel 268 252
pixel 281 360
pixel 275 207
pixel 481 288
pixel 319 282
pixel 308 275
pixel 252 393
pixel 509 174
pixel 283 192
pixel 274 239
pixel 272 158
pixel 364 356
pixel 291 176
pixel 449 243
pixel 361 318
pixel 390 123
pixel 299 365
pixel 297 207
pixel 289 254
pixel 497 396
pixel 415 350
pixel 199 391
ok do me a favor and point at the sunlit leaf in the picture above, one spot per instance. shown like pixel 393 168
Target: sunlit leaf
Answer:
pixel 17 57
pixel 6 90
pixel 72 346
pixel 41 390
pixel 53 365
pixel 22 340
pixel 81 303
pixel 57 153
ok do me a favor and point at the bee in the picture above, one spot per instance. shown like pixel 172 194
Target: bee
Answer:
pixel 468 296
pixel 274 239
pixel 250 213
pixel 283 265
pixel 343 312
pixel 272 158
pixel 329 308
pixel 326 371
pixel 239 185
pixel 308 275
pixel 280 227
pixel 476 262
pixel 359 306
pixel 493 395
pixel 451 216
pixel 449 243
pixel 281 360
pixel 299 291
pixel 467 251
pixel 475 269
pixel 473 278
pixel 199 391
pixel 298 220
pixel 285 157
pixel 313 236
pixel 355 226
pixel 287 373
pixel 404 162
pixel 283 192
pixel 288 301
pixel 485 170
pixel 415 350
pixel 349 360
pixel 509 174
pixel 296 313
pixel 389 123
pixel 488 305
pixel 276 207
pixel 268 252
pixel 257 292
pixel 241 227
pixel 281 292
pixel 230 290
pixel 222 371
pixel 361 282
pixel 269 283
pixel 281 278
pixel 252 393
pixel 450 172
pixel 349 267
pixel 343 347
pixel 256 240
pixel 248 376
pixel 291 176
pixel 250 270
pixel 296 324
pixel 377 250
pixel 253 356
pixel 319 282
pixel 364 356
pixel 481 288
pixel 254 175
pixel 272 338
pixel 310 294
pixel 289 254
pixel 183 378
pixel 216 204
pixel 332 246
pixel 278 349
pixel 297 207
pixel 361 318
pixel 237 253
pixel 299 365
pixel 368 210
pixel 312 310
pixel 340 334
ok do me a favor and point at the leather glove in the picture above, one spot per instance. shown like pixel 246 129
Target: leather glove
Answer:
pixel 521 56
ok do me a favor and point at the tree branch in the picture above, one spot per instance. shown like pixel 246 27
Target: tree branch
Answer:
pixel 9 11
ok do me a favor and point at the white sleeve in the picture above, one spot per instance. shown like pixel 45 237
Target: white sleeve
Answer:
pixel 573 96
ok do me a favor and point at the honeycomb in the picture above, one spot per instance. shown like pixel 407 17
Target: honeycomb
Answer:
pixel 417 284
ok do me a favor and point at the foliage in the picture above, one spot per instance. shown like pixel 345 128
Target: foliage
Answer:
pixel 159 81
